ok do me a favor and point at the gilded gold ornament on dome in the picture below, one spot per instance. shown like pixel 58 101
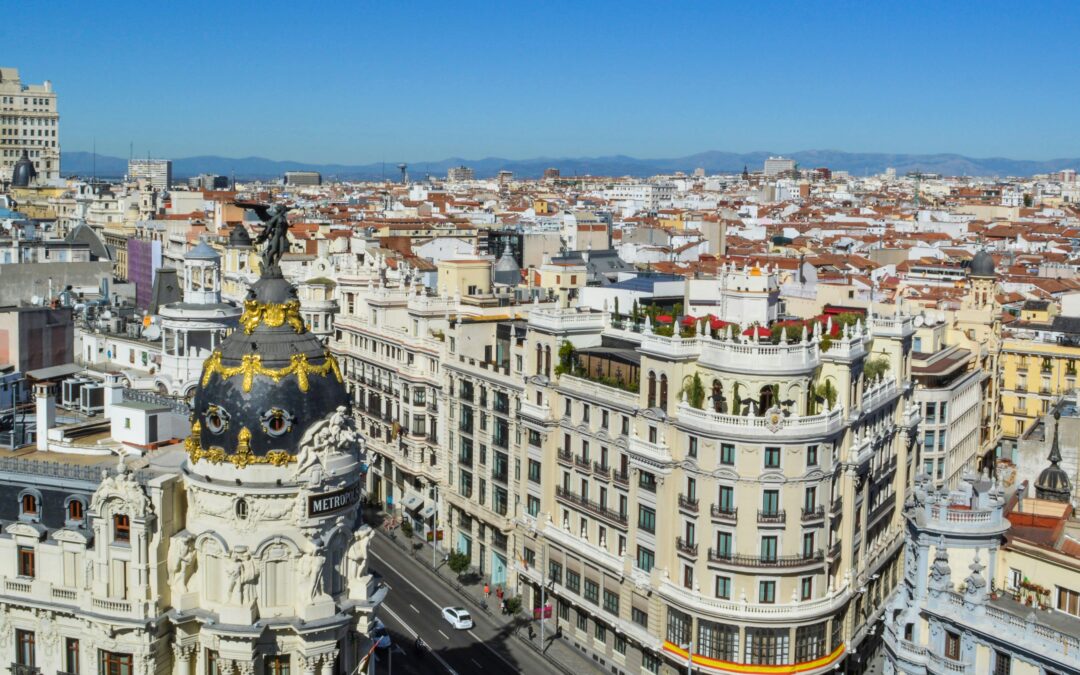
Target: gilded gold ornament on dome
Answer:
pixel 271 314
pixel 241 458
pixel 251 365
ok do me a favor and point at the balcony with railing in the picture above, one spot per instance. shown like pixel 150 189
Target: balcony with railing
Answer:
pixel 748 356
pixel 582 462
pixel 728 514
pixel 771 517
pixel 590 506
pixel 685 547
pixel 566 320
pixel 621 478
pixel 749 425
pixel 565 456
pixel 597 391
pixel 670 347
pixel 601 471
pixel 533 411
pixel 813 513
pixel 688 503
pixel 784 561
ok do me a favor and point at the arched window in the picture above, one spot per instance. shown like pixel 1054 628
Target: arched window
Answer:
pixel 29 505
pixel 539 358
pixel 652 389
pixel 663 391
pixel 547 360
pixel 766 399
pixel 75 510
pixel 718 397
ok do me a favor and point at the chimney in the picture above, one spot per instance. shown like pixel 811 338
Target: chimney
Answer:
pixel 114 393
pixel 46 413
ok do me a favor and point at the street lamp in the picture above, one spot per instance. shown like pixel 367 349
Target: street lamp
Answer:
pixel 689 647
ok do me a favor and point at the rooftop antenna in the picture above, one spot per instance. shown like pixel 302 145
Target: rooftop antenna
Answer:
pixel 93 162
pixel 404 168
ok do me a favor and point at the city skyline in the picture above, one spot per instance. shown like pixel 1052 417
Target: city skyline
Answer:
pixel 592 81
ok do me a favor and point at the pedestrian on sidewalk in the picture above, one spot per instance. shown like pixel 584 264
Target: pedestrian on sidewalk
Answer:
pixel 502 606
pixel 499 592
pixel 487 589
pixel 532 633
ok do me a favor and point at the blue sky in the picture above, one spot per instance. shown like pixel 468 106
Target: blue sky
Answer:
pixel 357 82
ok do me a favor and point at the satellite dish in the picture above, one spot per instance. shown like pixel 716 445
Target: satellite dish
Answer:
pixel 919 321
pixel 35 300
pixel 152 332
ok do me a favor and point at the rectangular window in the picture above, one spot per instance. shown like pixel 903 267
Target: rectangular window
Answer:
pixel 645 559
pixel 806 588
pixel 772 458
pixel 723 544
pixel 646 519
pixel 26 561
pixel 678 626
pixel 727 453
pixel 811 455
pixel 650 662
pixel 611 602
pixel 582 621
pixel 24 648
pixel 554 571
pixel 723 588
pixel 808 545
pixel 691 447
pixel 768 646
pixel 564 611
pixel 278 664
pixel 592 591
pixel 599 631
pixel 1068 601
pixel 809 642
pixel 625 428
pixel 768 549
pixel 952 645
pixel 647 481
pixel 767 592
pixel 71 656
pixel 639 616
pixel 532 505
pixel 604 419
pixel 1002 663
pixel 717 641
pixel 770 502
pixel 727 499
pixel 112 663
pixel 573 581
pixel 620 644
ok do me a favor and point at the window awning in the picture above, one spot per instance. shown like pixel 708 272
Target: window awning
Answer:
pixel 427 512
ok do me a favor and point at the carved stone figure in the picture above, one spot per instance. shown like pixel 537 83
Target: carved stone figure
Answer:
pixel 182 562
pixel 247 575
pixel 312 568
pixel 336 433
pixel 358 553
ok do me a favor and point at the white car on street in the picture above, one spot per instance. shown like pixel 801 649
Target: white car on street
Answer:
pixel 458 617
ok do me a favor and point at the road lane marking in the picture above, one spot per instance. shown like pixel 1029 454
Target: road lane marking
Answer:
pixel 447 637
pixel 429 599
pixel 413 608
pixel 408 628
pixel 478 664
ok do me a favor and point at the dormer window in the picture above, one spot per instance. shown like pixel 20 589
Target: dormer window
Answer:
pixel 75 510
pixel 29 505
pixel 121 528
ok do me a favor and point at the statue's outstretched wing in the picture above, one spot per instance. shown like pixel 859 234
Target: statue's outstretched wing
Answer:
pixel 261 210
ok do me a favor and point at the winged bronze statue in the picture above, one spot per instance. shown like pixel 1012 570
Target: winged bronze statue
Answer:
pixel 274 235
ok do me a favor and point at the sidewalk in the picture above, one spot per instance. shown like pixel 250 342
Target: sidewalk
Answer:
pixel 559 653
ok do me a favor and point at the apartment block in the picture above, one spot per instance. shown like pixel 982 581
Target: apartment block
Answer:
pixel 30 123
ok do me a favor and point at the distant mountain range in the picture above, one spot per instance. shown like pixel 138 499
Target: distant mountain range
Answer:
pixel 857 163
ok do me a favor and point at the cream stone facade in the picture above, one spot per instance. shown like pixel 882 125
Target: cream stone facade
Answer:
pixel 29 122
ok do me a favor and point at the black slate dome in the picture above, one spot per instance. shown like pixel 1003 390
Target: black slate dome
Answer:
pixel 267 383
pixel 1053 483
pixel 239 237
pixel 24 172
pixel 982 265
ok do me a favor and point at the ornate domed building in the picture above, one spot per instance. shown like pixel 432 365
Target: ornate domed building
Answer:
pixel 24 173
pixel 273 547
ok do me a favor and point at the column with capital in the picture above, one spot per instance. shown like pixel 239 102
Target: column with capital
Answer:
pixel 182 658
pixel 328 660
pixel 245 667
pixel 309 664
